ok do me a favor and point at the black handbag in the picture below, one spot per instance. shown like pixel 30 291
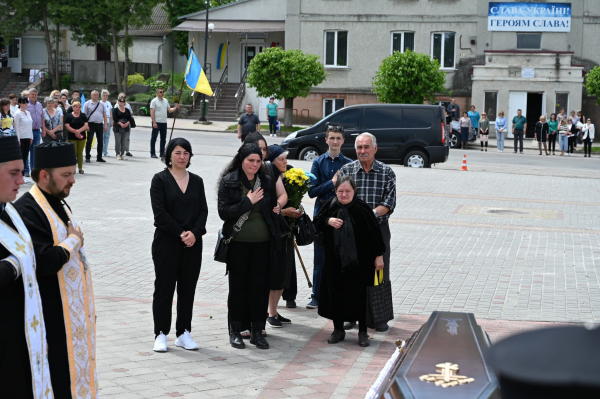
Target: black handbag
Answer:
pixel 304 230
pixel 380 308
pixel 222 246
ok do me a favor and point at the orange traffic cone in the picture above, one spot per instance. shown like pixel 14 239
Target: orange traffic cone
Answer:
pixel 464 165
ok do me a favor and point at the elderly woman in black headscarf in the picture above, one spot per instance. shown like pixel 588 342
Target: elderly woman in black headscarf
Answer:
pixel 354 250
pixel 247 201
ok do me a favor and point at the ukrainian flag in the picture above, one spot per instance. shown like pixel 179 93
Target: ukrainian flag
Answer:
pixel 194 75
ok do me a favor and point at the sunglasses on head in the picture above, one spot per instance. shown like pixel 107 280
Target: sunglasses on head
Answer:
pixel 336 127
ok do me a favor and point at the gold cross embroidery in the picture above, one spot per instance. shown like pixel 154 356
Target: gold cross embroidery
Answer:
pixel 447 376
pixel 20 247
pixel 47 391
pixel 34 323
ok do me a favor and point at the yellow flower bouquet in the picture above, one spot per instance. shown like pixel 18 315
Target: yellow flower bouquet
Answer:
pixel 297 182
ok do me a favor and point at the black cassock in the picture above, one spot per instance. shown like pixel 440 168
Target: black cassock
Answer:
pixel 15 373
pixel 49 260
pixel 343 295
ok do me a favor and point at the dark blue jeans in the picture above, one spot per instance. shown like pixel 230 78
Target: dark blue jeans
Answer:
pixel 273 124
pixel 37 137
pixel 318 267
pixel 162 129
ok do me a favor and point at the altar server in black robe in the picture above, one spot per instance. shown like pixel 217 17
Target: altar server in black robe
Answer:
pixel 63 272
pixel 354 249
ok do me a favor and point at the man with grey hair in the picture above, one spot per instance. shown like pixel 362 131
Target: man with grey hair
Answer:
pixel 376 185
pixel 97 122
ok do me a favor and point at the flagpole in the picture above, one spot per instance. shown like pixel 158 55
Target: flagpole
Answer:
pixel 179 99
pixel 203 115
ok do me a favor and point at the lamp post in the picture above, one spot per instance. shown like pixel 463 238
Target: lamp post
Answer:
pixel 206 37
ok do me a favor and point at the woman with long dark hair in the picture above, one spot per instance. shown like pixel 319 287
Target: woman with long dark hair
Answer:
pixel 180 213
pixel 553 125
pixel 246 200
pixel 465 128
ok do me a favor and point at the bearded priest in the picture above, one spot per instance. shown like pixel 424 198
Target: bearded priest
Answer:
pixel 63 273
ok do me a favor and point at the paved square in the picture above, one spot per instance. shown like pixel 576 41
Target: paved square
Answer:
pixel 534 265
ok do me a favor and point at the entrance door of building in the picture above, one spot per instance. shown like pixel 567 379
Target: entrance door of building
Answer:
pixel 249 51
pixel 14 55
pixel 535 108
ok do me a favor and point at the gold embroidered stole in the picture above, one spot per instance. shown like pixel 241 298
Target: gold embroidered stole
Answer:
pixel 77 294
pixel 18 243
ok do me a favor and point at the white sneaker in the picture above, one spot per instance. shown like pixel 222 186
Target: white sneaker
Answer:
pixel 185 341
pixel 123 157
pixel 160 344
pixel 118 157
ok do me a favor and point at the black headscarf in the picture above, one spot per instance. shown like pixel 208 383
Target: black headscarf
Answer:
pixel 243 153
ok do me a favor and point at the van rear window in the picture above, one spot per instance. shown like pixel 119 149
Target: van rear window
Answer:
pixel 382 118
pixel 417 118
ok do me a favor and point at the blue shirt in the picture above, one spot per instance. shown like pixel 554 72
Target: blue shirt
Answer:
pixel 474 116
pixel 272 109
pixel 324 168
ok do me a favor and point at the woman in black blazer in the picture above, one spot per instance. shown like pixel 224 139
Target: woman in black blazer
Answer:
pixel 180 213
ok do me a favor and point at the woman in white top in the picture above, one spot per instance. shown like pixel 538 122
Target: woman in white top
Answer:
pixel 123 96
pixel 23 128
pixel 587 132
pixel 108 110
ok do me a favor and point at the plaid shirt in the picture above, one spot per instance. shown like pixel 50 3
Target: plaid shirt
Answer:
pixel 37 114
pixel 378 187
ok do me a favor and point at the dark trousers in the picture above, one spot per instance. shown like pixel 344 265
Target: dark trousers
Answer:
pixel 25 149
pixel 272 124
pixel 174 264
pixel 552 142
pixel 317 268
pixel 572 140
pixel 290 293
pixel 387 237
pixel 162 129
pixel 587 146
pixel 248 266
pixel 518 133
pixel 339 325
pixel 98 130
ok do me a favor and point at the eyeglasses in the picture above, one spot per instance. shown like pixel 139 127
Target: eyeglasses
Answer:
pixel 160 92
pixel 121 101
pixel 336 127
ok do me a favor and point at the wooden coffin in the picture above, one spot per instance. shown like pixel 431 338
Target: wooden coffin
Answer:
pixel 443 360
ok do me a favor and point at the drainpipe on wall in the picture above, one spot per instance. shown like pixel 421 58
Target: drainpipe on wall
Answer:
pixel 160 48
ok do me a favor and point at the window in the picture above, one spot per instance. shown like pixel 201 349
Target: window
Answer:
pixel 529 41
pixel 490 105
pixel 382 118
pixel 330 105
pixel 417 118
pixel 336 49
pixel 562 101
pixel 442 49
pixel 402 41
pixel 348 119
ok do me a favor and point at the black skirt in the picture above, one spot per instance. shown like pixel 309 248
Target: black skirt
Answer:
pixel 282 272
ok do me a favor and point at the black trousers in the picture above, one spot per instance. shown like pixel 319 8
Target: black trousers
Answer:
pixel 174 265
pixel 339 325
pixel 572 140
pixel 387 237
pixel 587 146
pixel 552 142
pixel 518 139
pixel 248 266
pixel 98 130
pixel 25 143
pixel 162 129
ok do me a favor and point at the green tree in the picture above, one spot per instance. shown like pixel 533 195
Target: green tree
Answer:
pixel 409 78
pixel 285 74
pixel 592 83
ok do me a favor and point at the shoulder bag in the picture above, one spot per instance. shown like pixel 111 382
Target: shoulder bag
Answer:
pixel 222 246
pixel 304 230
pixel 380 308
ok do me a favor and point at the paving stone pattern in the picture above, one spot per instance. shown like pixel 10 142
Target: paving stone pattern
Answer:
pixel 513 272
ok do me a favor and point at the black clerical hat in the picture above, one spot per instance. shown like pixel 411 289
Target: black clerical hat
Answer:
pixel 10 149
pixel 560 362
pixel 54 154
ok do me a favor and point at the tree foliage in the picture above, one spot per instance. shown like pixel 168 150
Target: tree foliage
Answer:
pixel 592 83
pixel 409 78
pixel 285 74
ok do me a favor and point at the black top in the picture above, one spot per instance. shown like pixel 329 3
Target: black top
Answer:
pixel 248 123
pixel 542 128
pixel 75 123
pixel 175 211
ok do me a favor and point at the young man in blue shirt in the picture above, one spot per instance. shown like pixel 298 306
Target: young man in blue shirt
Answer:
pixel 325 168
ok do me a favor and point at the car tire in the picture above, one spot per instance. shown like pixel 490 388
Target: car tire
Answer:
pixel 454 140
pixel 309 154
pixel 416 159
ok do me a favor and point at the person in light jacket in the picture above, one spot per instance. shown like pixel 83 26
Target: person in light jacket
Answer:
pixel 501 126
pixel 587 135
pixel 465 127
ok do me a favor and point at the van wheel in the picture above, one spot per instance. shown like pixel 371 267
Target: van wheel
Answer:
pixel 454 140
pixel 308 154
pixel 416 159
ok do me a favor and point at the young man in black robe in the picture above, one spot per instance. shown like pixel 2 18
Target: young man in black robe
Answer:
pixel 23 347
pixel 62 270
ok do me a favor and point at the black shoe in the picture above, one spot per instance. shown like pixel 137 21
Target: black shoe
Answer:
pixel 336 336
pixel 88 160
pixel 256 337
pixel 349 325
pixel 382 327
pixel 274 322
pixel 162 158
pixel 363 339
pixel 235 339
pixel 100 160
pixel 128 154
pixel 283 320
pixel 290 304
pixel 153 156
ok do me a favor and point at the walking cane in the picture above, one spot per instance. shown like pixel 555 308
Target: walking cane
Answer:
pixel 302 263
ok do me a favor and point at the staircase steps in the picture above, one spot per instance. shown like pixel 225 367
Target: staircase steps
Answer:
pixel 226 106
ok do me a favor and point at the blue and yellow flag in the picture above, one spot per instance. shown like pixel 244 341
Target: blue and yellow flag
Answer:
pixel 194 75
pixel 221 55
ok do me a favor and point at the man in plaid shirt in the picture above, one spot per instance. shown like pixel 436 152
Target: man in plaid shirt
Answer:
pixel 376 185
